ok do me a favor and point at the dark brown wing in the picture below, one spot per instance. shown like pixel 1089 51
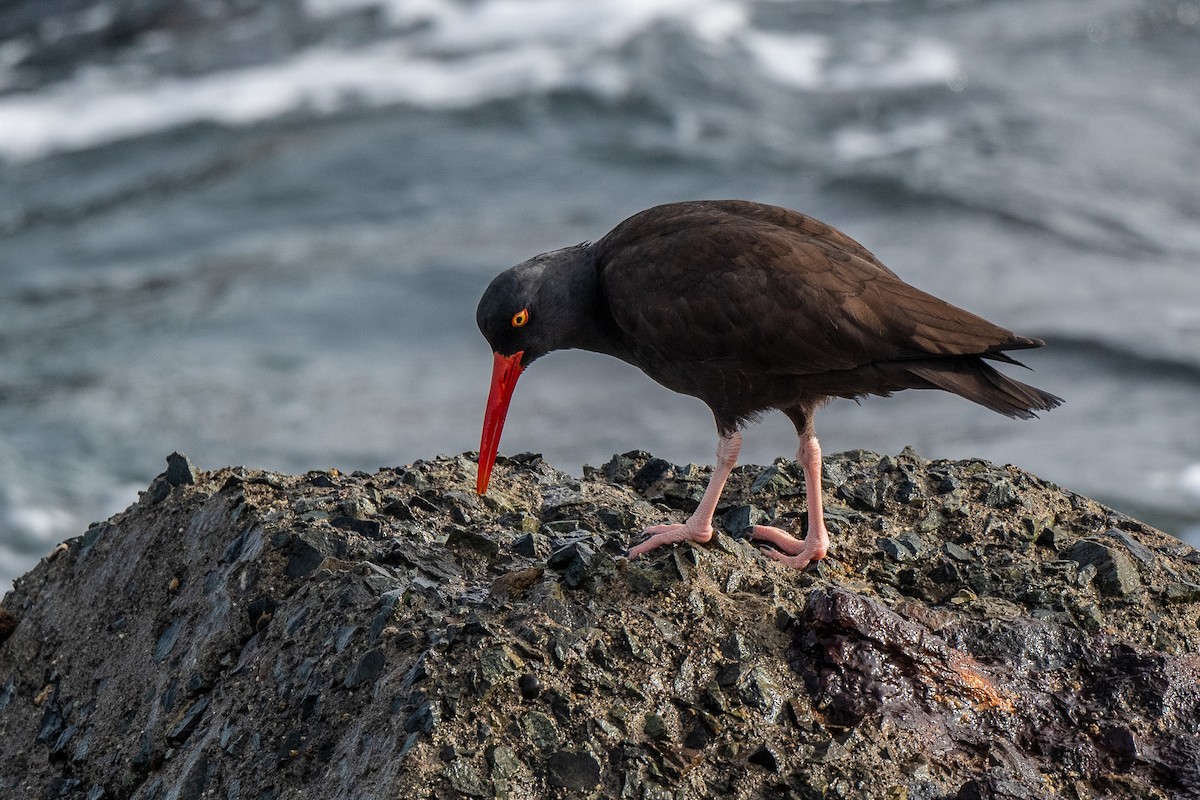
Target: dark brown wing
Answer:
pixel 774 290
pixel 794 221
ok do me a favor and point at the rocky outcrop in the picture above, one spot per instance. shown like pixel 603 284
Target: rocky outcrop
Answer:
pixel 976 633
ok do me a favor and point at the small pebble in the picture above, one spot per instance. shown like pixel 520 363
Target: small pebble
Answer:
pixel 529 685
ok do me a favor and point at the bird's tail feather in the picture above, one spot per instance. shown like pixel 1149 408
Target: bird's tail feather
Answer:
pixel 980 383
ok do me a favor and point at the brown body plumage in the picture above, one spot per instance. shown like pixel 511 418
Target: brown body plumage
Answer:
pixel 748 307
pixel 751 307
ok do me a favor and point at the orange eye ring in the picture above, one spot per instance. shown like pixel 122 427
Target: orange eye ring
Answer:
pixel 520 318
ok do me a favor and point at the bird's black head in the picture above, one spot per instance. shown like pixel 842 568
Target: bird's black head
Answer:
pixel 534 307
pixel 543 304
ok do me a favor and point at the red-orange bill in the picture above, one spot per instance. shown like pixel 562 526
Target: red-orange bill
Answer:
pixel 505 371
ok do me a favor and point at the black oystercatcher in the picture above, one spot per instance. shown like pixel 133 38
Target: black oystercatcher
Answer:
pixel 748 307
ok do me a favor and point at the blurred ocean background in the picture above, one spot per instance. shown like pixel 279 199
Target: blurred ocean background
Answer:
pixel 255 231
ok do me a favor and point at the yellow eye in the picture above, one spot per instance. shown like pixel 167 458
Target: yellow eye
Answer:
pixel 520 318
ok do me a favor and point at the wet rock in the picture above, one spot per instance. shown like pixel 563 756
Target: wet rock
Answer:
pixel 1136 549
pixel 471 540
pixel 1115 573
pixel 531 545
pixel 740 519
pixel 960 639
pixel 651 473
pixel 496 664
pixel 309 548
pixel 1054 537
pixel 764 757
pixel 180 471
pixel 655 726
pixel 539 730
pixel 370 528
pixel 869 495
pixel 517 582
pixel 423 719
pixel 529 685
pixel 845 680
pixel 895 549
pixel 465 779
pixel 574 561
pixel 760 691
pixel 575 770
pixel 1001 494
pixel 1121 741
pixel 772 479
pixel 187 721
pixel 561 500
pixel 366 670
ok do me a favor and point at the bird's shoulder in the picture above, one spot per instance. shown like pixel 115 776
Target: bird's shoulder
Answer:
pixel 696 235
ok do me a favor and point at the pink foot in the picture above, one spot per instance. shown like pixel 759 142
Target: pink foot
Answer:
pixel 698 528
pixel 797 553
pixel 778 537
pixel 670 534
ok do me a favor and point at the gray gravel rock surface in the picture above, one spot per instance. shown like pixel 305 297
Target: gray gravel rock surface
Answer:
pixel 975 633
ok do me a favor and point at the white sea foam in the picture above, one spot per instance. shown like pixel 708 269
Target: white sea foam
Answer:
pixel 443 54
pixel 101 106
pixel 857 143
pixel 794 59
pixel 1189 480
pixel 811 61
pixel 875 64
pixel 41 523
pixel 497 21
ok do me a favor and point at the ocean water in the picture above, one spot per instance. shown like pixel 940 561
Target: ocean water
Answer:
pixel 256 232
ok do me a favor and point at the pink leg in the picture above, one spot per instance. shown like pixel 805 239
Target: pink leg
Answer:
pixel 799 553
pixel 698 527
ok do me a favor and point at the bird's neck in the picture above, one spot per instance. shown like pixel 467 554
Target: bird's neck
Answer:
pixel 574 297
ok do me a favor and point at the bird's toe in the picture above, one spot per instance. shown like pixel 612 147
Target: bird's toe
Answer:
pixel 669 534
pixel 797 561
pixel 778 537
